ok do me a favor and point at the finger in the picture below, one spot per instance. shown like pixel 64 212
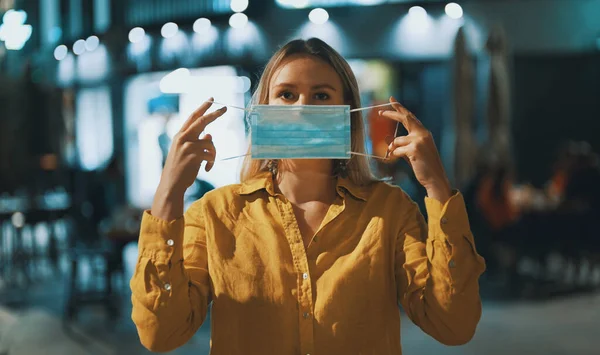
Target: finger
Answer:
pixel 198 148
pixel 397 142
pixel 400 142
pixel 402 152
pixel 210 159
pixel 209 165
pixel 200 124
pixel 410 116
pixel 397 116
pixel 198 113
pixel 203 150
pixel 411 120
pixel 210 162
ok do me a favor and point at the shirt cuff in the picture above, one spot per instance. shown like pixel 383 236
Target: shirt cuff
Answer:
pixel 161 241
pixel 448 221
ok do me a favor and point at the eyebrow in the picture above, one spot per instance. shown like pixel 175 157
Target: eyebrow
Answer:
pixel 314 87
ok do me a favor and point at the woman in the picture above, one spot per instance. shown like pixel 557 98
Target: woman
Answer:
pixel 305 256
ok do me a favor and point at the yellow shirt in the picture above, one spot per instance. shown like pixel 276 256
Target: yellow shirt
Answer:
pixel 240 248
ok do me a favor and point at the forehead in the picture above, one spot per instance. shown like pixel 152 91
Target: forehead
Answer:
pixel 305 70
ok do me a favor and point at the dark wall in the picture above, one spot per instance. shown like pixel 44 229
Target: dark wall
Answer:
pixel 556 98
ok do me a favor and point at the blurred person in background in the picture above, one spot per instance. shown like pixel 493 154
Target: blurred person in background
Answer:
pixel 578 204
pixel 565 162
pixel 493 213
pixel 305 255
pixel 119 221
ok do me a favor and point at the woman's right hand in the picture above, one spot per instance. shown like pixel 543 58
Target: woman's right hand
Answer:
pixel 183 162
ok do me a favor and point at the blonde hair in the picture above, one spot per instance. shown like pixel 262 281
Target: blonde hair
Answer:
pixel 358 168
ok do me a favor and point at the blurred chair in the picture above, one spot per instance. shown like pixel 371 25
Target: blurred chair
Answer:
pixel 88 247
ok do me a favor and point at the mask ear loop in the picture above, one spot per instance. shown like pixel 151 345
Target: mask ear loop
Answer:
pixel 353 153
pixel 368 155
pixel 236 107
pixel 363 109
pixel 353 110
pixel 369 107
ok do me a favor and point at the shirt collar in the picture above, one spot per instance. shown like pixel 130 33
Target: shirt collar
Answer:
pixel 359 192
pixel 264 180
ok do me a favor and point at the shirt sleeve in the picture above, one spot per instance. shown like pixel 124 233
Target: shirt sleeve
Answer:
pixel 438 269
pixel 170 285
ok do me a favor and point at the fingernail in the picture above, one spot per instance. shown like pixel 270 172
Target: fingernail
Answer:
pixel 211 99
pixel 223 109
pixel 380 112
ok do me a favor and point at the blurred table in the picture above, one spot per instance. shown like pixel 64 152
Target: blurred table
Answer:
pixel 123 225
pixel 21 212
pixel 529 198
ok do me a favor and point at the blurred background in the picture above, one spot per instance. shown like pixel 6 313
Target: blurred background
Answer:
pixel 92 91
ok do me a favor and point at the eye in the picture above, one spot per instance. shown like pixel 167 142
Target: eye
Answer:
pixel 286 95
pixel 322 96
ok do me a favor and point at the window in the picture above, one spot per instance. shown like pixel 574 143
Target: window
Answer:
pixel 93 127
pixel 152 118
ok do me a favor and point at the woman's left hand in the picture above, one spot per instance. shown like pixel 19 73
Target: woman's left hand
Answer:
pixel 419 150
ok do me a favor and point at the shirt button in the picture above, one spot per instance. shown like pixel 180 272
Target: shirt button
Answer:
pixel 306 315
pixel 444 220
pixel 170 242
pixel 452 263
pixel 305 276
pixel 168 287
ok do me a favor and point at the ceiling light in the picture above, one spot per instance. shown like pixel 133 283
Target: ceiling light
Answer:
pixel 136 35
pixel 239 5
pixel 318 16
pixel 91 43
pixel 454 11
pixel 79 47
pixel 201 25
pixel 169 29
pixel 61 52
pixel 238 20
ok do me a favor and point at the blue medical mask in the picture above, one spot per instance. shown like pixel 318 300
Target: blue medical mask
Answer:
pixel 300 131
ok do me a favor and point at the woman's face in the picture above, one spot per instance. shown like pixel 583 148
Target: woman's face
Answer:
pixel 305 80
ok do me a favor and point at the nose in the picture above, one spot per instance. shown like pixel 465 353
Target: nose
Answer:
pixel 303 99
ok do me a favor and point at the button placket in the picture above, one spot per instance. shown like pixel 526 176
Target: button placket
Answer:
pixel 170 243
pixel 300 257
